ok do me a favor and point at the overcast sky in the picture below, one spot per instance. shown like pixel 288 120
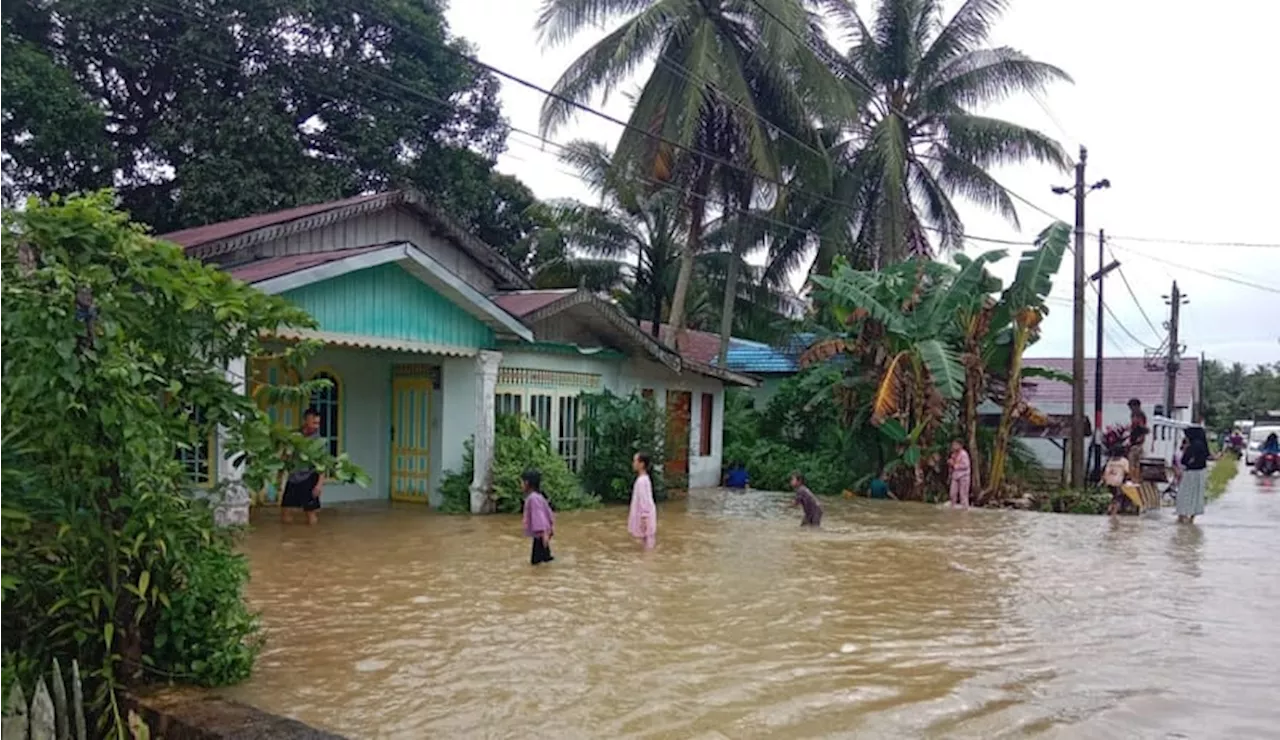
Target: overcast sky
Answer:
pixel 1172 104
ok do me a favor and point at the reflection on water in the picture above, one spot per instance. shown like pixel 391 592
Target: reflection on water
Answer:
pixel 892 621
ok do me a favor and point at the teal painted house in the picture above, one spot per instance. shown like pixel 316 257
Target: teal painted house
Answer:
pixel 428 332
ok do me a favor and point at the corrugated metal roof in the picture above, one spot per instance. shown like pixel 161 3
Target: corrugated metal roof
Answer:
pixel 1122 378
pixel 364 341
pixel 198 235
pixel 758 357
pixel 522 302
pixel 254 272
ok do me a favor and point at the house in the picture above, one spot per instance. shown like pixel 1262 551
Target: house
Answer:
pixel 1123 378
pixel 427 332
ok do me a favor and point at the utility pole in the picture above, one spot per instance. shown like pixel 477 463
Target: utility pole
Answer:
pixel 1175 300
pixel 1097 358
pixel 1079 191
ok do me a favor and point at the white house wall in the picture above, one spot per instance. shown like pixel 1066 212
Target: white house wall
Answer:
pixel 704 470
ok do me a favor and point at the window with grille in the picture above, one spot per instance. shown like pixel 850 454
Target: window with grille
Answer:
pixel 507 403
pixel 569 440
pixel 551 398
pixel 327 401
pixel 540 411
pixel 196 456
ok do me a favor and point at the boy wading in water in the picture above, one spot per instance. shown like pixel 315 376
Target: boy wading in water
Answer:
pixel 304 485
pixel 806 500
pixel 539 520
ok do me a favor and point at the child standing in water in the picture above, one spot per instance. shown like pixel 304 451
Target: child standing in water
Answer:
pixel 642 521
pixel 805 499
pixel 959 466
pixel 539 520
pixel 1113 475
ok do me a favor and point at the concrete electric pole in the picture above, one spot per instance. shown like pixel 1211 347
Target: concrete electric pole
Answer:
pixel 1079 191
pixel 1176 300
pixel 1097 359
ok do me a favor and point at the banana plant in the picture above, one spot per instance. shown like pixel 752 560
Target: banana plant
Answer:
pixel 1015 323
pixel 901 323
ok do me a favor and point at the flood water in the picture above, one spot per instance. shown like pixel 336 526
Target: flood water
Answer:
pixel 893 621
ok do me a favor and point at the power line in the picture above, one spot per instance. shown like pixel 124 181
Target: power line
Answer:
pixel 1207 273
pixel 1195 243
pixel 1125 279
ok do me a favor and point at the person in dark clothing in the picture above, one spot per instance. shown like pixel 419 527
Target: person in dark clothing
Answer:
pixel 304 485
pixel 737 476
pixel 1195 458
pixel 806 500
pixel 1137 437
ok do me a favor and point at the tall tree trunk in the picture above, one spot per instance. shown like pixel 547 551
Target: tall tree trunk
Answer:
pixel 697 210
pixel 730 304
pixel 973 386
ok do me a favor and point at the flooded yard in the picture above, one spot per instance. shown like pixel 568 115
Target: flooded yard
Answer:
pixel 893 621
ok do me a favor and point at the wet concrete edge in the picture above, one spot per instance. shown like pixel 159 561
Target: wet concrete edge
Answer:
pixel 193 714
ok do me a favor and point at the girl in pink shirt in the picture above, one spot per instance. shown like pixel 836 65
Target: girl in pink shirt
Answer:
pixel 642 521
pixel 959 466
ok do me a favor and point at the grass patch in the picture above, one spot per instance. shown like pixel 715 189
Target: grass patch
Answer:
pixel 1220 475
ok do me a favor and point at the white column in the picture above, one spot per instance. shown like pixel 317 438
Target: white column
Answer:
pixel 487 362
pixel 231 505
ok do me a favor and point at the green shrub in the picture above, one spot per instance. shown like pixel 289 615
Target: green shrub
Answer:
pixel 616 428
pixel 1079 501
pixel 111 342
pixel 519 445
pixel 208 636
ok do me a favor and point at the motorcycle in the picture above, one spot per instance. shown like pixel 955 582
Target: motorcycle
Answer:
pixel 1268 463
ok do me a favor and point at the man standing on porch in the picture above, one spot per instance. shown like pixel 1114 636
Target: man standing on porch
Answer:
pixel 302 490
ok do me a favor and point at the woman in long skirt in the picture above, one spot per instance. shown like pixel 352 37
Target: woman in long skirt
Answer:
pixel 1195 458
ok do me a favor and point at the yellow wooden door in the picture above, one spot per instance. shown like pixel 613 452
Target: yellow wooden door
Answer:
pixel 410 439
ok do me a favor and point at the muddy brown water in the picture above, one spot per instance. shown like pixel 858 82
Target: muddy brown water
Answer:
pixel 893 621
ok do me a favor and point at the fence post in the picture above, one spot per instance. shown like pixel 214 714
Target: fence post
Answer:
pixel 42 721
pixel 14 724
pixel 77 701
pixel 61 725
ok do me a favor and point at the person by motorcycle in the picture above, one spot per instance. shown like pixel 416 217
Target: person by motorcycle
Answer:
pixel 1272 445
pixel 1236 441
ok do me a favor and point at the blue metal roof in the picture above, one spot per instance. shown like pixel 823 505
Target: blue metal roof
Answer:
pixel 746 356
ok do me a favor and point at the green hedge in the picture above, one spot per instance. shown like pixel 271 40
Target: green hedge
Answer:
pixel 519 445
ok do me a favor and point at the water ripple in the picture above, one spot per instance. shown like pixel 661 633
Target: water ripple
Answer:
pixel 893 621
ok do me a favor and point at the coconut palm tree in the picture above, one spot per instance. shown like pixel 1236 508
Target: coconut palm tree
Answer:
pixel 729 77
pixel 917 142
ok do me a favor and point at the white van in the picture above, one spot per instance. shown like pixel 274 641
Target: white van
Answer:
pixel 1257 436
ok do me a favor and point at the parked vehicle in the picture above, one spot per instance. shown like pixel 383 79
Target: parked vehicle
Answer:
pixel 1257 436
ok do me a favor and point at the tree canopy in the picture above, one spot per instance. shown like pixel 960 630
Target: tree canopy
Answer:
pixel 201 112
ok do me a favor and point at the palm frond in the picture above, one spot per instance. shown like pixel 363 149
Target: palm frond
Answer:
pixel 969 26
pixel 987 76
pixel 990 142
pixel 612 60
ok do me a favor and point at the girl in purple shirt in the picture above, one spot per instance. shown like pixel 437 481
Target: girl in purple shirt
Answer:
pixel 539 520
